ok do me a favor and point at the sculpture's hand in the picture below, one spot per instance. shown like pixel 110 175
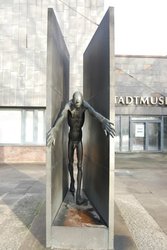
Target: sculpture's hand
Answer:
pixel 51 137
pixel 108 127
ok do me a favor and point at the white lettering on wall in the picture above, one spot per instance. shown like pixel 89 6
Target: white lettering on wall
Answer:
pixel 141 100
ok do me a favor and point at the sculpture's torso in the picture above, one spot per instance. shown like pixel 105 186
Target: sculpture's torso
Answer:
pixel 76 119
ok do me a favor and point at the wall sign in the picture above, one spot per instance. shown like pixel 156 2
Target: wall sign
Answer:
pixel 140 100
pixel 139 130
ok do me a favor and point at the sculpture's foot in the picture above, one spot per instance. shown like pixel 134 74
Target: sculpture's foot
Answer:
pixel 81 201
pixel 72 188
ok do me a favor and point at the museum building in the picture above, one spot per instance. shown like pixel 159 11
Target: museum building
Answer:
pixel 141 113
pixel 140 98
pixel 141 101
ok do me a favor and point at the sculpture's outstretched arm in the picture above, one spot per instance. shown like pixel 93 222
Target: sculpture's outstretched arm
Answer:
pixel 51 135
pixel 107 126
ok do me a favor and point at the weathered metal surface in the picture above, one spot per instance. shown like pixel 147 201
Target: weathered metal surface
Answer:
pixel 99 87
pixel 57 96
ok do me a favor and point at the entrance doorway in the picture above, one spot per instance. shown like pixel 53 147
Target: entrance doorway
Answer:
pixel 145 134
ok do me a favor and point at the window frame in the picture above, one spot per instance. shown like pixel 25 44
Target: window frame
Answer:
pixel 23 126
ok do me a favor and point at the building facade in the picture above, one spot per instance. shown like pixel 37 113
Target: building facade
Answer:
pixel 23 45
pixel 141 117
pixel 141 104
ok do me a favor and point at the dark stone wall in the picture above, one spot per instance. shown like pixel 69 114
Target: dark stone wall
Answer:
pixel 57 96
pixel 98 78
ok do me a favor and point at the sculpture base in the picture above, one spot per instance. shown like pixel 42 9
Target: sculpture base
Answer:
pixel 73 215
pixel 78 227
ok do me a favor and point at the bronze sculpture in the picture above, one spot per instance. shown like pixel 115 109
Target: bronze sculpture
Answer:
pixel 74 112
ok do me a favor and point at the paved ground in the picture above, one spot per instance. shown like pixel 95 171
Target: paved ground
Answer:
pixel 141 197
pixel 140 204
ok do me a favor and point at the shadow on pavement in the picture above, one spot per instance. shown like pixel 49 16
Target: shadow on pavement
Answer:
pixel 22 192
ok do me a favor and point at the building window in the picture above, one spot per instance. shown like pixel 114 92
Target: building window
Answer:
pixel 10 126
pixel 29 126
pixel 122 133
pixel 41 127
pixel 165 132
pixel 118 133
pixel 22 126
pixel 141 133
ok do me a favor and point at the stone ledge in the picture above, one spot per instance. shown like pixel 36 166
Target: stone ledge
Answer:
pixel 22 154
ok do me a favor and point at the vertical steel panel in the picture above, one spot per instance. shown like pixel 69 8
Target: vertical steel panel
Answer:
pixel 57 95
pixel 99 87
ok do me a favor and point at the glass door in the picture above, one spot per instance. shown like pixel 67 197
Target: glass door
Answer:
pixel 145 135
pixel 153 136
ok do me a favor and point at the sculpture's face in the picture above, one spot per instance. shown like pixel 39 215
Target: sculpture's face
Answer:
pixel 77 99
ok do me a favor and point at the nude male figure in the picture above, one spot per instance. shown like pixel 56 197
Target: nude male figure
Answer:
pixel 74 112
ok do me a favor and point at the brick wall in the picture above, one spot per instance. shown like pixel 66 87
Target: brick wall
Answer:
pixel 16 154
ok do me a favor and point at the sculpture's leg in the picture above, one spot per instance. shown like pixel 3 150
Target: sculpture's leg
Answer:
pixel 70 165
pixel 79 149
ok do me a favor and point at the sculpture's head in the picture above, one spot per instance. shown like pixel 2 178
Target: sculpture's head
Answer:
pixel 77 99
